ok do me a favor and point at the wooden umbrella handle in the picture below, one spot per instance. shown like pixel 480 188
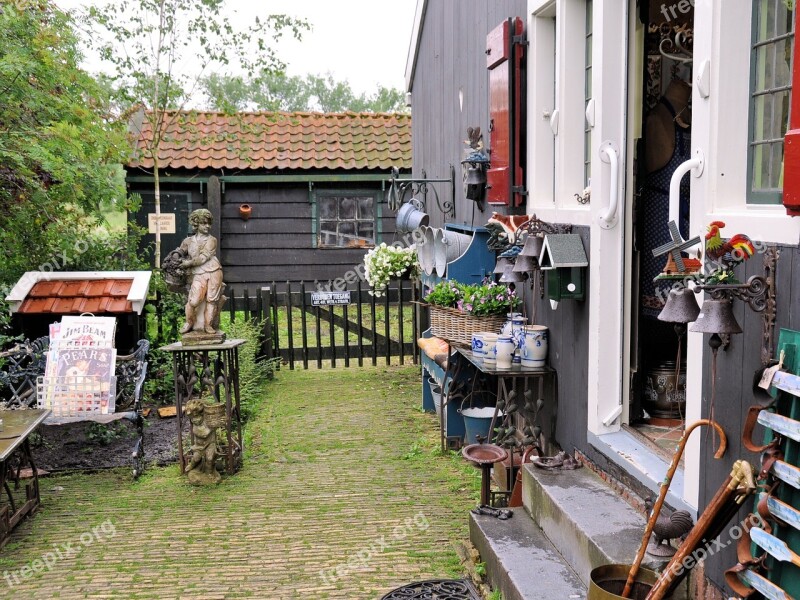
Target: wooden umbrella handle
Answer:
pixel 662 494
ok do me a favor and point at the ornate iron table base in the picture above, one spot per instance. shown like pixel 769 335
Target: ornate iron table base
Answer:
pixel 212 369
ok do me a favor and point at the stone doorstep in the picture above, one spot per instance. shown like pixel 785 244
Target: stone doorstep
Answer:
pixel 520 560
pixel 587 522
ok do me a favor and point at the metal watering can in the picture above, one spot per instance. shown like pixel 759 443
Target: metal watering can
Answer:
pixel 411 216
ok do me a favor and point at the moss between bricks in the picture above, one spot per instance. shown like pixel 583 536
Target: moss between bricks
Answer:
pixel 340 464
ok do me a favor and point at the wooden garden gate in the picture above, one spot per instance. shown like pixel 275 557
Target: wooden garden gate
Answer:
pixel 304 327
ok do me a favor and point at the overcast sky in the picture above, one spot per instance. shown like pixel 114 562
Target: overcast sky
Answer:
pixel 362 41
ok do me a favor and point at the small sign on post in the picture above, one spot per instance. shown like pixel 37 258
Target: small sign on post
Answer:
pixel 330 298
pixel 161 222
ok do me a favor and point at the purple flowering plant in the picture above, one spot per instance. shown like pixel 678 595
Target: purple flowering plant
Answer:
pixel 485 299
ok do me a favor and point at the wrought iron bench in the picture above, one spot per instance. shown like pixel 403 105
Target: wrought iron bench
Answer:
pixel 24 364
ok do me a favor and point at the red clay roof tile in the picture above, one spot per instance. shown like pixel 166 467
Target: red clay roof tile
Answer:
pixel 76 296
pixel 265 140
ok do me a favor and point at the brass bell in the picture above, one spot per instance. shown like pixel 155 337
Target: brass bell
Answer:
pixel 525 264
pixel 533 246
pixel 716 316
pixel 681 307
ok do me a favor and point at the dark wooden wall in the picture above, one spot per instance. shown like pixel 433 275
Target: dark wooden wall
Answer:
pixel 734 382
pixel 276 243
pixel 569 355
pixel 451 58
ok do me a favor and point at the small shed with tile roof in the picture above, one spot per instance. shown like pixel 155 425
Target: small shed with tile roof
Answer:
pixel 40 298
pixel 295 196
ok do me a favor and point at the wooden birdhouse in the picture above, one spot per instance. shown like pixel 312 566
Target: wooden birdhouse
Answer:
pixel 564 259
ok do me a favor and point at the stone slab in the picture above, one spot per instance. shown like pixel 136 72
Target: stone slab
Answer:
pixel 520 560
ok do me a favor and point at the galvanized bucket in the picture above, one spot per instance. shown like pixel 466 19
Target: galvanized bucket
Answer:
pixel 448 246
pixel 425 250
pixel 411 216
pixel 608 581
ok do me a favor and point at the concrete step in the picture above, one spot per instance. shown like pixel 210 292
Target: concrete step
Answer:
pixel 587 522
pixel 520 560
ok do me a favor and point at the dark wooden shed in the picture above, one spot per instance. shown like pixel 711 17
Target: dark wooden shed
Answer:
pixel 295 196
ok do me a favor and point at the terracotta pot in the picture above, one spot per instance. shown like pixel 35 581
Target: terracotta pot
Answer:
pixel 245 210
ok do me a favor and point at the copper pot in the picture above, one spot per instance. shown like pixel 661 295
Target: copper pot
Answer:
pixel 245 210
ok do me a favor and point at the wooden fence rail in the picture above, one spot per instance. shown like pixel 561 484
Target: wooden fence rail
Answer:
pixel 367 329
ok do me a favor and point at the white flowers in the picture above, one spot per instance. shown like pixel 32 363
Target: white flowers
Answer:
pixel 384 263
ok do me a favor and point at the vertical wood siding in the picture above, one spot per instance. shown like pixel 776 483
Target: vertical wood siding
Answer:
pixel 734 383
pixel 452 58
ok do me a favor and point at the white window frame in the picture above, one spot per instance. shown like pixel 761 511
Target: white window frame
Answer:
pixel 557 109
pixel 720 127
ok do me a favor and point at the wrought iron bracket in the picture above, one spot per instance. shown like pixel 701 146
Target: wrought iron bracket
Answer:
pixel 419 188
pixel 535 226
pixel 759 294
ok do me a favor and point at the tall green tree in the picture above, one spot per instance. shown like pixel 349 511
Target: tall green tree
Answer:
pixel 277 91
pixel 60 148
pixel 161 49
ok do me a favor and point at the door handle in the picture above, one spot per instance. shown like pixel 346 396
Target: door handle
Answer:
pixel 609 153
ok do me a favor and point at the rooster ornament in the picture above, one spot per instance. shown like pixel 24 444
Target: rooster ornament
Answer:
pixel 726 254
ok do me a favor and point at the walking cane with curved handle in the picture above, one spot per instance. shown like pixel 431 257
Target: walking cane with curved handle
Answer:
pixel 662 494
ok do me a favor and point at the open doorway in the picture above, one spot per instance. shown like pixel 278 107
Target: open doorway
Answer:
pixel 658 383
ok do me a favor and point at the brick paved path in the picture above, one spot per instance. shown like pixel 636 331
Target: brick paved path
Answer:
pixel 342 496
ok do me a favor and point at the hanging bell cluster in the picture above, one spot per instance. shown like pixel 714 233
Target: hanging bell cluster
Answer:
pixel 716 315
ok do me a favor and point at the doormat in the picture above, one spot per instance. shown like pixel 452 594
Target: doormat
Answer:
pixel 435 589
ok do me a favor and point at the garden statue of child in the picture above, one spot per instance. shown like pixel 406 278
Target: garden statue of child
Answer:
pixel 205 286
pixel 200 468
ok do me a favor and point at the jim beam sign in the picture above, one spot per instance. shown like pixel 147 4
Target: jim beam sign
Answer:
pixel 161 222
pixel 330 298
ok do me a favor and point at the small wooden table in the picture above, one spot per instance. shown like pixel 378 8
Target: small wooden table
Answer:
pixel 18 425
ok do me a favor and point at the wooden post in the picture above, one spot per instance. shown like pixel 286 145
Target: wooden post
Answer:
pixel 215 207
pixel 304 320
pixel 289 332
pixel 266 323
pixel 360 322
pixel 400 317
pixel 387 331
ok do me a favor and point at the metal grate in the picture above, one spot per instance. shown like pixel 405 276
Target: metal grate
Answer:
pixel 435 589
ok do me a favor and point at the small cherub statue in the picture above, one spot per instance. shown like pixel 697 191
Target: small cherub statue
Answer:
pixel 200 468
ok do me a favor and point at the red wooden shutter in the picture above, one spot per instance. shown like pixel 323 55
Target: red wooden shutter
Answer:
pixel 791 156
pixel 504 54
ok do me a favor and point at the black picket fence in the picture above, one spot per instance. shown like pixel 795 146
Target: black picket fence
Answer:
pixel 367 329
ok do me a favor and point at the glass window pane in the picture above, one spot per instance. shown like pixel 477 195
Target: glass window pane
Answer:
pixel 769 18
pixel 776 168
pixel 768 80
pixel 765 163
pixel 783 64
pixel 327 227
pixel 328 239
pixel 366 231
pixel 758 159
pixel 347 208
pixel 347 231
pixel 327 207
pixel 366 208
pixel 782 103
pixel 765 131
